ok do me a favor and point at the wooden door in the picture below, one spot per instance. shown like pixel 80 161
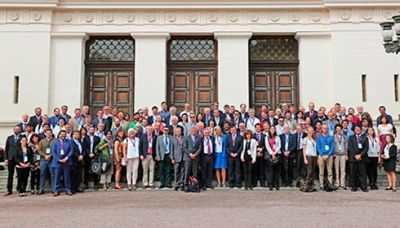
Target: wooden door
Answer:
pixel 112 87
pixel 196 87
pixel 273 87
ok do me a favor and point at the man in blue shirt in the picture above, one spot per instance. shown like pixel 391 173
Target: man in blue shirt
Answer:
pixel 325 147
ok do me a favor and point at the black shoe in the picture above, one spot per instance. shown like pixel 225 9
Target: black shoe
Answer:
pixel 364 189
pixel 162 186
pixel 176 188
pixel 230 186
pixel 277 188
pixel 388 188
pixel 239 186
pixel 169 186
pixel 246 188
pixel 8 194
pixel 271 188
pixel 204 189
pixel 79 191
pixel 353 189
pixel 41 193
pixel 251 188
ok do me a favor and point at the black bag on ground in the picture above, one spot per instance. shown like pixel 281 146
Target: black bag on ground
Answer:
pixel 193 185
pixel 307 185
pixel 100 165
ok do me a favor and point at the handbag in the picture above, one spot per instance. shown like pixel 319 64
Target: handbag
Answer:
pixel 100 164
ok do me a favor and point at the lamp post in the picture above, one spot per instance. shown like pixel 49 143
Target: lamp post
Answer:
pixel 391 42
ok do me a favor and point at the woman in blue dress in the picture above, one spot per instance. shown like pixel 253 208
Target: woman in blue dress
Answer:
pixel 221 163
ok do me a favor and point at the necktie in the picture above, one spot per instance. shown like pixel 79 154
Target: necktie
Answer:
pixel 208 146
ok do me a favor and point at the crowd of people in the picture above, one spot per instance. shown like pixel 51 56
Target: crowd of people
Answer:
pixel 270 148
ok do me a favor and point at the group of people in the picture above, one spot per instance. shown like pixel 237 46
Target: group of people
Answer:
pixel 269 148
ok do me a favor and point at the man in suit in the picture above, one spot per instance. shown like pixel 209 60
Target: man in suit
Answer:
pixel 61 164
pixel 207 148
pixel 24 122
pixel 108 118
pixel 174 125
pixel 288 150
pixel 77 121
pixel 37 118
pixel 64 113
pixel 191 155
pixel 311 113
pixel 147 153
pixel 236 119
pixel 218 119
pixel 151 119
pixel 10 153
pixel 300 167
pixel 78 154
pixel 89 143
pixel 164 157
pixel 243 113
pixel 258 171
pixel 177 159
pixel 271 118
pixel 172 113
pixel 358 147
pixel 207 116
pixel 99 119
pixel 234 144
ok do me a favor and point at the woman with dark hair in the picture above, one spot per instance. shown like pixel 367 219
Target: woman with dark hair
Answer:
pixel 385 128
pixel 389 156
pixel 364 126
pixel 248 157
pixel 374 151
pixel 273 147
pixel 118 156
pixel 106 148
pixel 23 159
pixel 211 125
pixel 199 117
pixel 35 169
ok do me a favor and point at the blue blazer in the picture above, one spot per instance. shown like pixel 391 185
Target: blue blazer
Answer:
pixel 56 150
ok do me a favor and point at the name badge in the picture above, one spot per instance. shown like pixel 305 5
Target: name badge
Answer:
pixel 326 147
pixel 48 151
pixel 25 158
pixel 111 152
pixel 62 152
pixel 340 147
pixel 359 146
pixel 37 157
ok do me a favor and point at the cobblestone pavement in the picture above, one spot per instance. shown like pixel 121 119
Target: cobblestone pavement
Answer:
pixel 227 208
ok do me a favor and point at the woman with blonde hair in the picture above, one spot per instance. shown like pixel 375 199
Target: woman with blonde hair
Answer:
pixel 131 157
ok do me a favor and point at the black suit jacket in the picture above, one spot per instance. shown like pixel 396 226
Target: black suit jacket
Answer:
pixel 171 130
pixel 261 143
pixel 353 148
pixel 19 158
pixel 236 147
pixel 307 114
pixel 76 153
pixel 292 146
pixel 20 125
pixel 10 151
pixel 201 146
pixel 274 120
pixel 221 122
pixel 144 145
pixel 86 144
pixel 34 121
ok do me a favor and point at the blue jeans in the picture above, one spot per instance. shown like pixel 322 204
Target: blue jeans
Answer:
pixel 44 165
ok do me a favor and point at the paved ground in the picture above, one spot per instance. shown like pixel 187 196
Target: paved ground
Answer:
pixel 228 208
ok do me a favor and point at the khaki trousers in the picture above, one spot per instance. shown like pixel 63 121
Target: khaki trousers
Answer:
pixel 340 170
pixel 329 165
pixel 148 171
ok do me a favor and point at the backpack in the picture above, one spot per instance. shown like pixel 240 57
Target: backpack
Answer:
pixel 307 185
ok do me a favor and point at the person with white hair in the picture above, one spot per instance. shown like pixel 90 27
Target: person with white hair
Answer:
pixel 131 157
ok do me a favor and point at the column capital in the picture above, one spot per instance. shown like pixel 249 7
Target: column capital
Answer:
pixel 150 35
pixel 311 34
pixel 70 35
pixel 233 35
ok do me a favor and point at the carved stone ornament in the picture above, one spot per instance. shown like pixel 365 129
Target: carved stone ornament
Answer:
pixel 13 16
pixel 67 18
pixel 36 16
pixel 254 18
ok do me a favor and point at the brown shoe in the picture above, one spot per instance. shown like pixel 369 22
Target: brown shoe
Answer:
pixel 69 193
pixel 55 194
pixel 8 194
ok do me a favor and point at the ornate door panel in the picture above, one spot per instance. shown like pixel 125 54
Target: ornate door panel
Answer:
pixel 196 87
pixel 273 62
pixel 285 87
pixel 110 87
pixel 192 72
pixel 261 92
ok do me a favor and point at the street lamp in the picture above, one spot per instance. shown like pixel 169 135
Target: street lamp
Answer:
pixel 392 45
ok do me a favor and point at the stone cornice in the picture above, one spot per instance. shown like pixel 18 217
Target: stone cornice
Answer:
pixel 130 17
